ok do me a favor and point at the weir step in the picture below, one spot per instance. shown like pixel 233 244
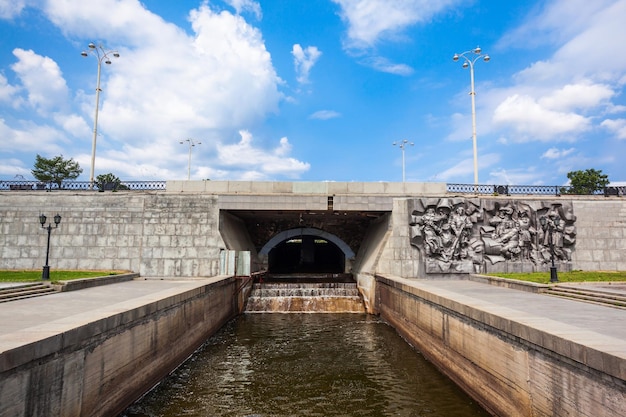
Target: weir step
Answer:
pixel 594 296
pixel 332 297
pixel 21 292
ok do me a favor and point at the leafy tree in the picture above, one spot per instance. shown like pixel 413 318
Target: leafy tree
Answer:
pixel 56 169
pixel 109 182
pixel 587 182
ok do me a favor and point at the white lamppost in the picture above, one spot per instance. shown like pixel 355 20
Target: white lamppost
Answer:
pixel 102 55
pixel 470 58
pixel 402 145
pixel 191 145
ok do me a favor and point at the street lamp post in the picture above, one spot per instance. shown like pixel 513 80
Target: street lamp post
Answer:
pixel 402 145
pixel 470 58
pixel 42 219
pixel 101 55
pixel 550 225
pixel 191 145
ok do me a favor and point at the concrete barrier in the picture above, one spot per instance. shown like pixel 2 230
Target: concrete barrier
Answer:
pixel 98 362
pixel 511 359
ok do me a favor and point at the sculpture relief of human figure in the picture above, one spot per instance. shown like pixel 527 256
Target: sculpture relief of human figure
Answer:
pixel 525 234
pixel 557 227
pixel 461 227
pixel 506 232
pixel 430 230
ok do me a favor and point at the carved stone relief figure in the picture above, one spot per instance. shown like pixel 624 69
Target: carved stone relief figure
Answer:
pixel 473 235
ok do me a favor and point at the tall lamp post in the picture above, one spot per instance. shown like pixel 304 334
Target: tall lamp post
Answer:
pixel 42 220
pixel 402 144
pixel 470 58
pixel 102 55
pixel 550 226
pixel 191 145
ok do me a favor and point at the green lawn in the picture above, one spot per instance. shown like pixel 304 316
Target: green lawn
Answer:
pixel 35 275
pixel 574 276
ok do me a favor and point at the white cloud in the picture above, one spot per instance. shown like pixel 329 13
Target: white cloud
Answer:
pixel 583 95
pixel 555 153
pixel 325 115
pixel 370 20
pixel 531 121
pixel 303 61
pixel 617 127
pixel 384 65
pixel 11 8
pixel 254 162
pixel 42 79
pixel 465 167
pixel 246 5
pixel 7 91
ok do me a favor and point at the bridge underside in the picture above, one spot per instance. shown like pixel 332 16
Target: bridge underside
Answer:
pixel 306 242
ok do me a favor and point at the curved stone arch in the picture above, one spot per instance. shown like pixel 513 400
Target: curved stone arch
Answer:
pixel 306 231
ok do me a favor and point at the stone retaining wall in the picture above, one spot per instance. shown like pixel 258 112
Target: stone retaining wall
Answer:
pixel 512 369
pixel 98 368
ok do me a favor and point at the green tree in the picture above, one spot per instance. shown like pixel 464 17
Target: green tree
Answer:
pixel 587 182
pixel 109 182
pixel 56 169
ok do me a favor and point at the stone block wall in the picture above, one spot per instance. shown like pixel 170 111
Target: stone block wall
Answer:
pixel 153 234
pixel 601 240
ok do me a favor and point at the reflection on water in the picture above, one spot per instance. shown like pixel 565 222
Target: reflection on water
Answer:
pixel 323 365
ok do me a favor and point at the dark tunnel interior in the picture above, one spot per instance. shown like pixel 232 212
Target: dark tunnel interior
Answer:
pixel 306 254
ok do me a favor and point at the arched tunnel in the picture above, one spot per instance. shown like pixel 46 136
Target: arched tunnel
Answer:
pixel 306 242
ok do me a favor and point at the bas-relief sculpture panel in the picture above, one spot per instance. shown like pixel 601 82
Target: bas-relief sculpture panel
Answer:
pixel 483 235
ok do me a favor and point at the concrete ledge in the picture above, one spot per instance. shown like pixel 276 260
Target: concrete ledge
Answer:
pixel 79 284
pixel 513 284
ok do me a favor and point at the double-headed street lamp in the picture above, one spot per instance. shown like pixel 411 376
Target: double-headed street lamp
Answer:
pixel 42 220
pixel 402 144
pixel 191 145
pixel 470 58
pixel 549 225
pixel 102 55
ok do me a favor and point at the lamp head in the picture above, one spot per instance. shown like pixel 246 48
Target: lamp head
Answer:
pixel 108 62
pixel 487 58
pixel 477 51
pixel 84 53
pixel 465 64
pixel 57 219
pixel 42 219
pixel 91 45
pixel 455 57
pixel 116 54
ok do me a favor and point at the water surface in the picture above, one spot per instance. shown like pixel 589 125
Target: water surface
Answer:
pixel 323 365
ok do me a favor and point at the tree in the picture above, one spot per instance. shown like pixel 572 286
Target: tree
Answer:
pixel 587 182
pixel 56 169
pixel 109 182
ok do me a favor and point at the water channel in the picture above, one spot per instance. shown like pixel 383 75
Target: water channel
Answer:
pixel 275 365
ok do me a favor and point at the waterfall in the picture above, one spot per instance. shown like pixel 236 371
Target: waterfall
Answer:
pixel 319 297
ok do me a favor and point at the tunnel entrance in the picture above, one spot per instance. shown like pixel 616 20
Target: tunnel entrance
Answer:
pixel 306 254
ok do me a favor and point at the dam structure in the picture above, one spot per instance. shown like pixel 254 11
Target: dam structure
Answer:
pixel 415 252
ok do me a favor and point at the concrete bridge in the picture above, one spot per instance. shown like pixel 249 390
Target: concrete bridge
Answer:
pixel 380 232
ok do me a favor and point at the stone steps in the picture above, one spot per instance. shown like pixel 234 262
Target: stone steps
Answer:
pixel 333 297
pixel 595 296
pixel 21 292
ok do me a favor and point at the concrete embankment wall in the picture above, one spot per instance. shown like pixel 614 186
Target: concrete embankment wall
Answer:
pixel 503 358
pixel 98 363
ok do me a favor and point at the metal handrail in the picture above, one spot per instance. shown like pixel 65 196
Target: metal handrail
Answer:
pixel 555 190
pixel 34 185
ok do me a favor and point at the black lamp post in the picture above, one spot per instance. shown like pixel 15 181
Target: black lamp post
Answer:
pixel 551 224
pixel 42 220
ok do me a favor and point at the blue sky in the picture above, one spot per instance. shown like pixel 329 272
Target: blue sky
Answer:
pixel 316 90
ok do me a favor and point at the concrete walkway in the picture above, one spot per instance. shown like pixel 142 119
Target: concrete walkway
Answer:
pixel 32 315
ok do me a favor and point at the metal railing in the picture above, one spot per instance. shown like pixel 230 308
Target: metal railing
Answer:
pixel 32 185
pixel 555 190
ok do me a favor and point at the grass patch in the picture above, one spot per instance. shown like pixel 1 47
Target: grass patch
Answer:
pixel 35 275
pixel 573 276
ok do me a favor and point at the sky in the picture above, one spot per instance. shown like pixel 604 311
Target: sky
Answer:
pixel 315 90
